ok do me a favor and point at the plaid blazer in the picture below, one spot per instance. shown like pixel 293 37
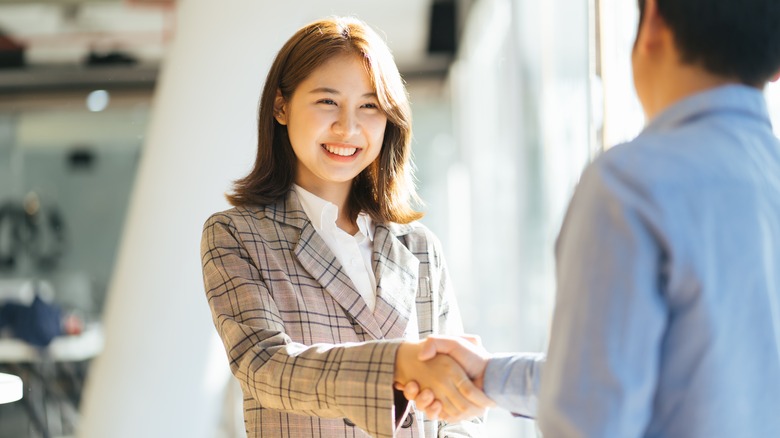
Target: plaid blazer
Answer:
pixel 311 358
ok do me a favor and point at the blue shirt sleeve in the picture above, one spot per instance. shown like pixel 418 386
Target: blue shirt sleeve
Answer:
pixel 512 381
pixel 609 319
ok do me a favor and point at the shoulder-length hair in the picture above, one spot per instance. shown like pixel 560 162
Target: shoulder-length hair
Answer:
pixel 385 188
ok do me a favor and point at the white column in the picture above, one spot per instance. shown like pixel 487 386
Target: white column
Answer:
pixel 163 370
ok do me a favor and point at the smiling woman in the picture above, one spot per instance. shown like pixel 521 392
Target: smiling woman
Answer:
pixel 371 76
pixel 335 127
pixel 321 271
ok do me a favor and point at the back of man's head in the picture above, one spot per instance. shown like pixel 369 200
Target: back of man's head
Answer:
pixel 731 38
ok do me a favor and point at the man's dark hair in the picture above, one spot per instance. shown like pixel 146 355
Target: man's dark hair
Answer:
pixel 731 38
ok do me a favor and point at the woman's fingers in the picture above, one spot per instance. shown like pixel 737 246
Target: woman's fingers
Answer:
pixel 440 384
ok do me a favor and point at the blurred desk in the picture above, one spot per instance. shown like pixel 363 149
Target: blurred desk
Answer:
pixel 53 376
pixel 70 348
pixel 10 388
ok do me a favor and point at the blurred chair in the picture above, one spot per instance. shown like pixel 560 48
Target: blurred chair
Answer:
pixel 54 376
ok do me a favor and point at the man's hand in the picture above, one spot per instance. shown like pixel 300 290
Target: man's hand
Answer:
pixel 457 397
pixel 466 350
pixel 469 354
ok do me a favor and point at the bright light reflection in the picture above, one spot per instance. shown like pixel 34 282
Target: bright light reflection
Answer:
pixel 98 100
pixel 772 93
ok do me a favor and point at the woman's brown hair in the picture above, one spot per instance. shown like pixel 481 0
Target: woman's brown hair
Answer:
pixel 385 188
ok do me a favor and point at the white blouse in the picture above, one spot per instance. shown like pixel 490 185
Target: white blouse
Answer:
pixel 353 252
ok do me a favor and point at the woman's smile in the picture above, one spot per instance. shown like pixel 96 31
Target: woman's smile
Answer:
pixel 340 150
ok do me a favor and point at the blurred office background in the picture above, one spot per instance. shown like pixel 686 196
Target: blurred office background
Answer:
pixel 123 122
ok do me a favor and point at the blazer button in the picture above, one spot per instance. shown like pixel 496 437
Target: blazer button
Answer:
pixel 408 421
pixel 348 422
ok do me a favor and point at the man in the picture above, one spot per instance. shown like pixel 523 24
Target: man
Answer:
pixel 667 316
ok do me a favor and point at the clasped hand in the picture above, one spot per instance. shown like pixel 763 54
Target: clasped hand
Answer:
pixel 443 376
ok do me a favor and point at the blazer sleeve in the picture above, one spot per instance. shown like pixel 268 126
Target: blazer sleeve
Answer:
pixel 325 380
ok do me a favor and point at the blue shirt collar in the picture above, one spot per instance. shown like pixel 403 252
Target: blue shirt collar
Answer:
pixel 732 97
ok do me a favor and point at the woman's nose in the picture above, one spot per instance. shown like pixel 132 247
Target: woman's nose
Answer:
pixel 346 124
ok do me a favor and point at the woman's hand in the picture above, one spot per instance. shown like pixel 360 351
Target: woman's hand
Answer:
pixel 447 390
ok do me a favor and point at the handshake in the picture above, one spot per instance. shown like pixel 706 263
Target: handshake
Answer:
pixel 444 375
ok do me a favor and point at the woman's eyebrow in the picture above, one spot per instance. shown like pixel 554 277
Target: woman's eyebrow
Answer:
pixel 329 90
pixel 324 90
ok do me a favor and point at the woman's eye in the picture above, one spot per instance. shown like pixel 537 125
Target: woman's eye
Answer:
pixel 371 106
pixel 327 101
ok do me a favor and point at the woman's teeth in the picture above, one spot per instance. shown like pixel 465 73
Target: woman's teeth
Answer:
pixel 344 152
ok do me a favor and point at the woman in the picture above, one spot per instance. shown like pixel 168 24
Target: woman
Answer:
pixel 320 271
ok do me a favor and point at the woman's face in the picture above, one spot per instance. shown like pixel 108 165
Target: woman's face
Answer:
pixel 334 123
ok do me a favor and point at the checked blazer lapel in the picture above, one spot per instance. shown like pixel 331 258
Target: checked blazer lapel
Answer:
pixel 397 272
pixel 320 262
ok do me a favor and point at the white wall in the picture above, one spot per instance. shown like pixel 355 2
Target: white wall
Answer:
pixel 163 370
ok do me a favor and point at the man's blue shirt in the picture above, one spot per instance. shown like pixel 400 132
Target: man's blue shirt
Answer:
pixel 667 315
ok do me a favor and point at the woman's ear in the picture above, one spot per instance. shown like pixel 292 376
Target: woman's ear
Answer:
pixel 280 108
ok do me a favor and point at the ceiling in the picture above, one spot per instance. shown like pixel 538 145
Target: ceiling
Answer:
pixel 65 32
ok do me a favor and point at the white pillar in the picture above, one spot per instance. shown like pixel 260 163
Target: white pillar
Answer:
pixel 163 370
